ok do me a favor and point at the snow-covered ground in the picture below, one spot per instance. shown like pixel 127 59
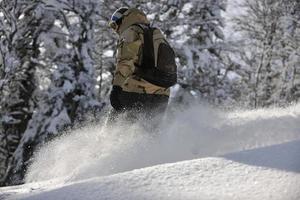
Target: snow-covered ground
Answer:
pixel 201 153
pixel 265 173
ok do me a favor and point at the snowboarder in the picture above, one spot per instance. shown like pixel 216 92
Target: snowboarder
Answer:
pixel 139 85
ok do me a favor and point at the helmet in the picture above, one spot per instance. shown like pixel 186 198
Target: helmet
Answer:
pixel 116 18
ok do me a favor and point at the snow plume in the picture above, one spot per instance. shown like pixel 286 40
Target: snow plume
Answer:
pixel 198 131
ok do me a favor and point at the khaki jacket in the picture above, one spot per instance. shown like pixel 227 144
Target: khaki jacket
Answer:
pixel 129 55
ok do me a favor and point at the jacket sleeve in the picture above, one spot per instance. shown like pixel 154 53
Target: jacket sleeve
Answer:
pixel 129 47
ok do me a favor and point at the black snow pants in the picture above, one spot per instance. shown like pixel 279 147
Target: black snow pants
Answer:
pixel 148 108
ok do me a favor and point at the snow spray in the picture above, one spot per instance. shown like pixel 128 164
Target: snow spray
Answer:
pixel 196 132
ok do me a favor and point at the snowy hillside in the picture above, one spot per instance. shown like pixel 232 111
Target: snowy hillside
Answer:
pixel 200 155
pixel 265 173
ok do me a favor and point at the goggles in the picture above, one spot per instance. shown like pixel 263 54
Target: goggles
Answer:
pixel 115 20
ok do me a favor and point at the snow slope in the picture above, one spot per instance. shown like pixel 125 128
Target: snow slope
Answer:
pixel 265 173
pixel 205 146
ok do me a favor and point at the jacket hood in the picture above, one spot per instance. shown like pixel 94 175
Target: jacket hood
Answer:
pixel 132 16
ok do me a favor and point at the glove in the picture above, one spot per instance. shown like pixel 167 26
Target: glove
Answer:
pixel 114 98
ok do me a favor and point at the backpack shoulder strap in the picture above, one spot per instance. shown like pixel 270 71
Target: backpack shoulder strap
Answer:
pixel 148 60
pixel 158 39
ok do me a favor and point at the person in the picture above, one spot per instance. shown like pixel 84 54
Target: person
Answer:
pixel 131 93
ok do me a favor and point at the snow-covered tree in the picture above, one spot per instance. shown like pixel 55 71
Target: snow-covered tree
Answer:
pixel 198 35
pixel 20 28
pixel 66 76
pixel 290 52
pixel 269 45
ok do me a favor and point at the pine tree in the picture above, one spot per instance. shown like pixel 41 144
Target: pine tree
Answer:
pixel 66 91
pixel 19 48
pixel 202 71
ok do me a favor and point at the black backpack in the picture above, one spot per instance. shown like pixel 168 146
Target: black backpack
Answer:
pixel 158 64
